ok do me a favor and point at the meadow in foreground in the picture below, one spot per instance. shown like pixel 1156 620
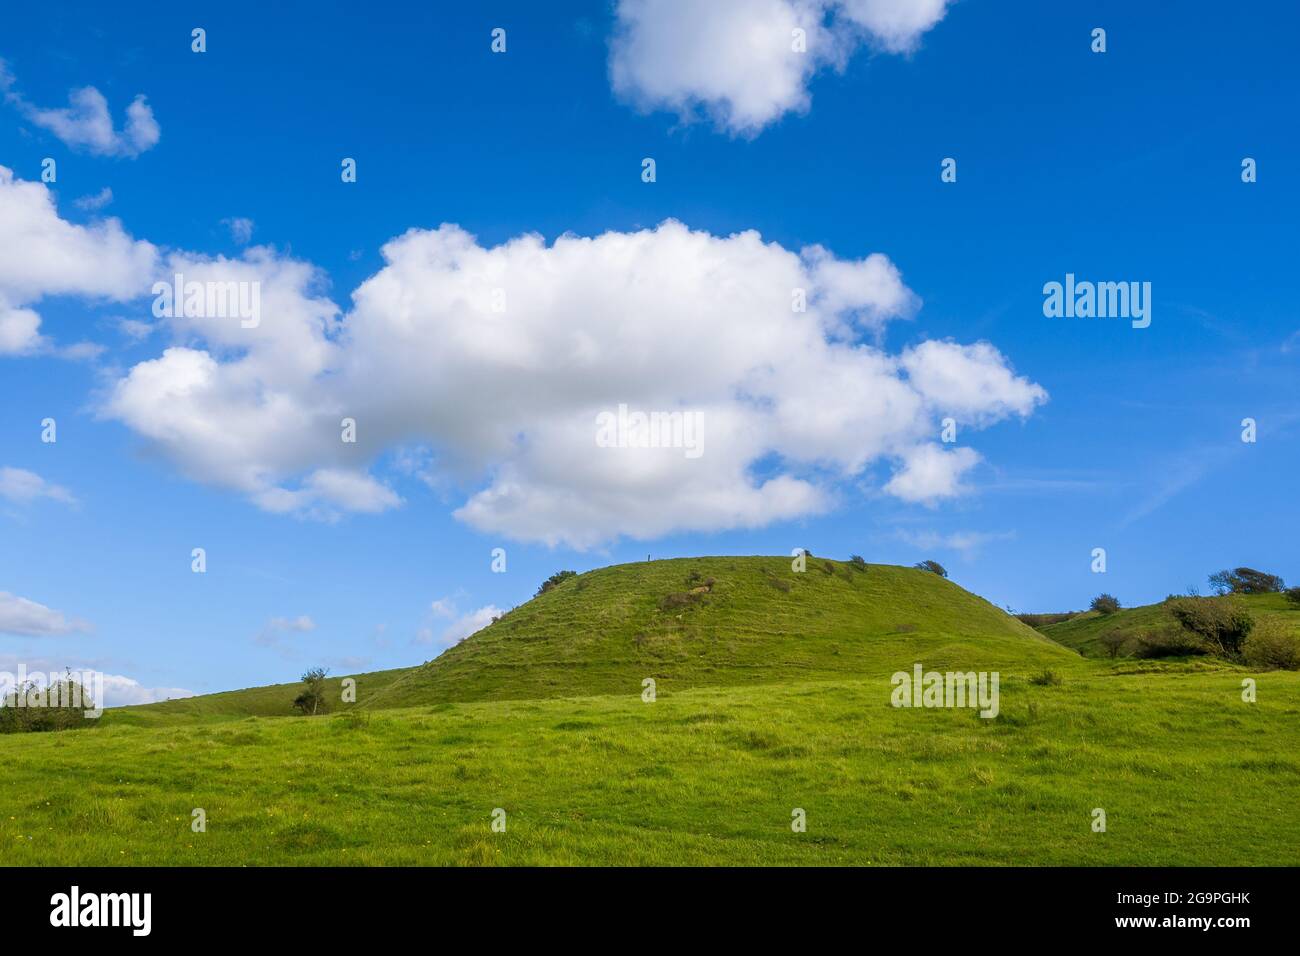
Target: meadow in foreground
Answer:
pixel 1186 772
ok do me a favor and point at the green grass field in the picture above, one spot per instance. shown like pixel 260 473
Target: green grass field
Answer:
pixel 769 700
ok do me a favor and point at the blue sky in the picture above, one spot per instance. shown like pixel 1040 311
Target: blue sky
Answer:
pixel 1115 166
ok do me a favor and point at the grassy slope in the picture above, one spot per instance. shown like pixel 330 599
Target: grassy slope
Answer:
pixel 274 700
pixel 1084 633
pixel 603 632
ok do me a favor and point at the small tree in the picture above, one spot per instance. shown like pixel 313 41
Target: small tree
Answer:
pixel 1293 595
pixel 1105 604
pixel 933 566
pixel 312 699
pixel 559 577
pixel 1114 641
pixel 857 562
pixel 1245 581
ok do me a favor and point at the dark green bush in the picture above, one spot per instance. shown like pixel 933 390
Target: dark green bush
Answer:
pixel 1220 622
pixel 1168 642
pixel 1272 646
pixel 933 566
pixel 46 709
pixel 1104 604
pixel 559 577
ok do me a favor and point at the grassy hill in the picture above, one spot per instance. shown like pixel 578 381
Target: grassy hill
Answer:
pixel 605 631
pixel 1084 633
pixel 773 697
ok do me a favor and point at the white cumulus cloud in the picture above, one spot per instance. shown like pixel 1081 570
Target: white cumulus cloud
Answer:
pixel 740 62
pixel 492 366
pixel 45 255
pixel 501 359
pixel 930 473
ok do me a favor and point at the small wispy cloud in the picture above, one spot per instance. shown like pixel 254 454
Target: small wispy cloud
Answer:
pixel 27 618
pixel 85 123
pixel 20 486
pixel 241 229
pixel 965 543
pixel 134 329
pixel 277 629
pixel 96 202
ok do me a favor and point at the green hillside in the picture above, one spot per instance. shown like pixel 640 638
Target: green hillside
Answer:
pixel 1084 633
pixel 605 631
pixel 273 700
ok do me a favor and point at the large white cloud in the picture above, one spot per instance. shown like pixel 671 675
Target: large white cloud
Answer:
pixel 45 255
pixel 492 366
pixel 501 359
pixel 739 61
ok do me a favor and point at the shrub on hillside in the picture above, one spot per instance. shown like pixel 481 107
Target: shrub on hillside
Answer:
pixel 1245 581
pixel 1047 678
pixel 1167 642
pixel 1293 595
pixel 1272 646
pixel 856 562
pixel 559 577
pixel 933 566
pixel 677 600
pixel 1105 604
pixel 46 708
pixel 1220 622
